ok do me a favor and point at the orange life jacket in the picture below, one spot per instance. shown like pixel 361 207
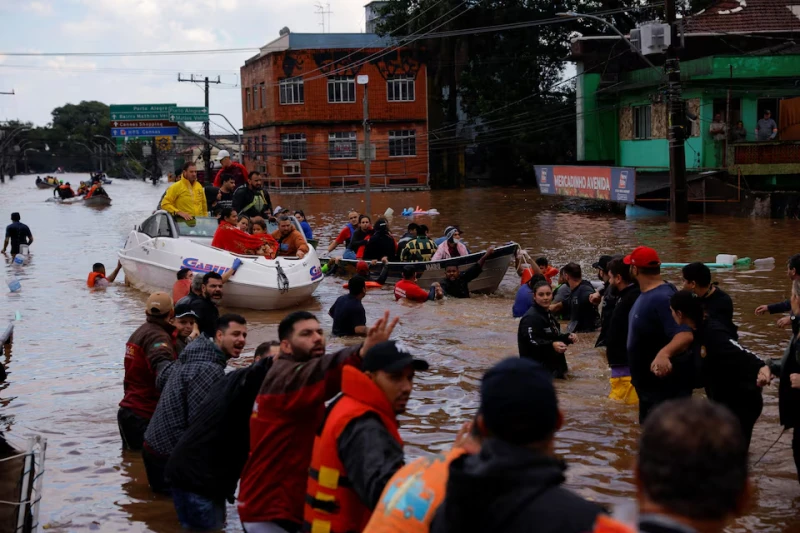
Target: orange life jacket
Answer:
pixel 332 506
pixel 367 284
pixel 606 524
pixel 413 495
pixel 93 277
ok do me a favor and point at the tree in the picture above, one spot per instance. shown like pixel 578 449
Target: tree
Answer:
pixel 507 86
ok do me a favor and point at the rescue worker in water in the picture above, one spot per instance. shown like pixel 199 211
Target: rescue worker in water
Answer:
pixel 97 277
pixel 359 448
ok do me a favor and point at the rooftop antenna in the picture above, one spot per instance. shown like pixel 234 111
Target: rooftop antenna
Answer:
pixel 323 10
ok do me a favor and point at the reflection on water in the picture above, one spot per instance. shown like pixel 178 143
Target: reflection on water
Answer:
pixel 65 380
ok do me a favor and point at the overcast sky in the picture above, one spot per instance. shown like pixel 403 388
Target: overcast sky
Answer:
pixel 43 83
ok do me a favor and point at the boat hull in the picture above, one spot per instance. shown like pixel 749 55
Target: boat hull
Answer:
pixel 151 264
pixel 45 185
pixel 97 201
pixel 494 269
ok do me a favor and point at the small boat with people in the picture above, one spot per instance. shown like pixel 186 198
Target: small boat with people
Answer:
pixel 97 201
pixel 161 245
pixel 49 182
pixel 430 272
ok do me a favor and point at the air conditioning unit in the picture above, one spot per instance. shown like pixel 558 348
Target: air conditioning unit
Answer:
pixel 291 169
pixel 636 39
pixel 654 38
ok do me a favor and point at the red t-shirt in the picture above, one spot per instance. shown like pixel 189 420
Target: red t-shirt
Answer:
pixel 411 291
pixel 180 289
pixel 344 235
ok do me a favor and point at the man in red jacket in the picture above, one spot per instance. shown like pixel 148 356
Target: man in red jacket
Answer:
pixel 149 352
pixel 286 415
pixel 408 289
pixel 237 170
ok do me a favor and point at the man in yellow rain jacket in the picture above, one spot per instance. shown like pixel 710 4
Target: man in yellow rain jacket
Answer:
pixel 186 198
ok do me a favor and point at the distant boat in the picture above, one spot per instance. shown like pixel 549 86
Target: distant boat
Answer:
pixel 97 201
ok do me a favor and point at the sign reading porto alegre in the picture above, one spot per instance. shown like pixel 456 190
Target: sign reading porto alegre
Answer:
pixel 614 184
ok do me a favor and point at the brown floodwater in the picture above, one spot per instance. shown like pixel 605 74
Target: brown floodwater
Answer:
pixel 66 364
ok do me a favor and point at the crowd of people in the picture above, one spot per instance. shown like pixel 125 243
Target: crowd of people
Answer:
pixel 302 465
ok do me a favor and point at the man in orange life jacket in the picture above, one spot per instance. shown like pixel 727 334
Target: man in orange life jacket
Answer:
pixel 359 448
pixel 97 277
pixel 149 354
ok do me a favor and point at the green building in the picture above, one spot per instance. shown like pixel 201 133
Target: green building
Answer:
pixel 739 59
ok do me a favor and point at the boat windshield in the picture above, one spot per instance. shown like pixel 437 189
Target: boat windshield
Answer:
pixel 197 227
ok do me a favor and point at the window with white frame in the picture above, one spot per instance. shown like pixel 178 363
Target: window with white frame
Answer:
pixel 400 88
pixel 292 91
pixel 342 145
pixel 341 89
pixel 402 143
pixel 641 121
pixel 293 146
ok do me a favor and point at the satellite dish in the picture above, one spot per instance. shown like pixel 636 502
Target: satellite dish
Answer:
pixel 284 31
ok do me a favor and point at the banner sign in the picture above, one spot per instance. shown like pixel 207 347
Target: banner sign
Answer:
pixel 614 184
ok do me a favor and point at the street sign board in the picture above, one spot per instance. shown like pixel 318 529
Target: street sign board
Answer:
pixel 141 111
pixel 189 114
pixel 142 108
pixel 143 124
pixel 143 132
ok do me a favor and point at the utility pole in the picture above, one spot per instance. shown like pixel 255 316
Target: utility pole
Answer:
pixel 364 81
pixel 206 125
pixel 678 189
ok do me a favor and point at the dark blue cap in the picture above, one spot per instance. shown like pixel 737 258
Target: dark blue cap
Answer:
pixel 518 401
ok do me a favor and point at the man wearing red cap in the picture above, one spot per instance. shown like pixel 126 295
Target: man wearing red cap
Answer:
pixel 661 369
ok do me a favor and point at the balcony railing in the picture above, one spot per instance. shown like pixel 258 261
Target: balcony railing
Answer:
pixel 767 153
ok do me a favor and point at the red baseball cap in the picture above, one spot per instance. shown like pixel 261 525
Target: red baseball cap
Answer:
pixel 362 266
pixel 643 256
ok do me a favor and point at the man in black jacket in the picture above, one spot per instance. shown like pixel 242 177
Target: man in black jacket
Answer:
pixel 514 484
pixel 584 317
pixel 251 200
pixel 208 460
pixel 456 284
pixel 627 291
pixel 716 302
pixel 604 298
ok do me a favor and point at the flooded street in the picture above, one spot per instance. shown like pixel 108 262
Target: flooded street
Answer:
pixel 66 365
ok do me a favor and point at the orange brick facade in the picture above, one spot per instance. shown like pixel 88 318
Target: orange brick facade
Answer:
pixel 332 163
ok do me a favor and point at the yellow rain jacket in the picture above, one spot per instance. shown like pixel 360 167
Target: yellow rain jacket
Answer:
pixel 185 197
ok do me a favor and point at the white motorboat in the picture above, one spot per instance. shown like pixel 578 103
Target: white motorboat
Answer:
pixel 159 247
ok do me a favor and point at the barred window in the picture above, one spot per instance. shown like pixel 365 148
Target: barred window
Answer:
pixel 263 95
pixel 247 99
pixel 293 146
pixel 342 145
pixel 255 97
pixel 641 121
pixel 400 88
pixel 402 143
pixel 341 89
pixel 248 148
pixel 292 91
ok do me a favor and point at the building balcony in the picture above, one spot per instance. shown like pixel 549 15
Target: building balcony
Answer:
pixel 767 157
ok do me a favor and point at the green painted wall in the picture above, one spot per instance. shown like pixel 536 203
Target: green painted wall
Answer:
pixel 716 68
pixel 654 154
pixel 596 129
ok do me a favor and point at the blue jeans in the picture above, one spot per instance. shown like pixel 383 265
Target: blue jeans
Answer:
pixel 198 512
pixel 349 254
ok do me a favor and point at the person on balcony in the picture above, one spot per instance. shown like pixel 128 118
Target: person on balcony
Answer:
pixel 766 129
pixel 739 133
pixel 718 130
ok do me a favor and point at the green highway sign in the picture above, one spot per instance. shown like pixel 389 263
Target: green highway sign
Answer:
pixel 141 111
pixel 142 108
pixel 188 114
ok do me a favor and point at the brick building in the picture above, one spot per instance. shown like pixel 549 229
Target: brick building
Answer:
pixel 303 112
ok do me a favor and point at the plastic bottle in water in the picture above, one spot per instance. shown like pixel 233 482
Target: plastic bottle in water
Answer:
pixel 13 284
pixel 19 259
pixel 765 262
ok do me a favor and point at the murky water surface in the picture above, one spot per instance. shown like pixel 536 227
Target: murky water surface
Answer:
pixel 66 366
